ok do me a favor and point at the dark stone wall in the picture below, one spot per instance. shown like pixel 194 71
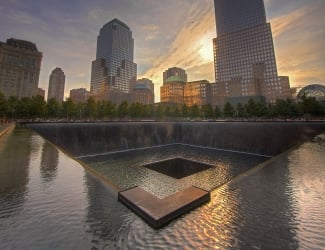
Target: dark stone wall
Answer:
pixel 268 138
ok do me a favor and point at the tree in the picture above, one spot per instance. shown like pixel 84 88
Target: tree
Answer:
pixel 240 111
pixel 217 112
pixel 68 108
pixel 251 108
pixel 310 106
pixel 185 111
pixel 3 105
pixel 122 109
pixel 90 109
pixel 52 108
pixel 13 106
pixel 37 107
pixel 228 110
pixel 207 111
pixel 194 111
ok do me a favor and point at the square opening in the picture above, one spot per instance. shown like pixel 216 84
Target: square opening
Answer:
pixel 178 167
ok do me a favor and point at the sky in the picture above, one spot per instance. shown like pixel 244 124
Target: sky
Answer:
pixel 168 33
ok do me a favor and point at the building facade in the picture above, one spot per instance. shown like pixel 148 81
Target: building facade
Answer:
pixel 143 92
pixel 175 72
pixel 172 91
pixel 113 71
pixel 56 85
pixel 80 95
pixel 20 64
pixel 196 93
pixel 244 57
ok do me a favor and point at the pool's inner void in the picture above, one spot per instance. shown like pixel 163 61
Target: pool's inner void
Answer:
pixel 178 167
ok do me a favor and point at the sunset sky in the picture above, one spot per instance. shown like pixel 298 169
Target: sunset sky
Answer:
pixel 167 33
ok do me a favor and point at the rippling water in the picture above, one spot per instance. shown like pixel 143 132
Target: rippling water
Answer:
pixel 48 201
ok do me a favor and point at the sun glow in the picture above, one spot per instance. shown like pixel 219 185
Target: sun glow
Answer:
pixel 206 48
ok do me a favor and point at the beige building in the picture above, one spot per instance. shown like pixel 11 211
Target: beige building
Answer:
pixel 196 93
pixel 56 85
pixel 142 92
pixel 20 63
pixel 173 90
pixel 80 95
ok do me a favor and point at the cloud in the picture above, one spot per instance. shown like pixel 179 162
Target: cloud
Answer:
pixel 190 48
pixel 299 38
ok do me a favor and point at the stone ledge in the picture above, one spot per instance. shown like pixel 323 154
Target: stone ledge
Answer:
pixel 158 212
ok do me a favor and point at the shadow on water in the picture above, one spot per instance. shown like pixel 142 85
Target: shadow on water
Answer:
pixel 15 155
pixel 49 162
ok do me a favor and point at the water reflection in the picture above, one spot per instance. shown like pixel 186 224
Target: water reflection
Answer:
pixel 15 156
pixel 106 218
pixel 49 162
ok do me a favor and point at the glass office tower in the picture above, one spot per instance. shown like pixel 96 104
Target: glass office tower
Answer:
pixel 113 70
pixel 244 52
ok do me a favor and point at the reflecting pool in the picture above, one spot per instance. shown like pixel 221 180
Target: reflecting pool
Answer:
pixel 48 200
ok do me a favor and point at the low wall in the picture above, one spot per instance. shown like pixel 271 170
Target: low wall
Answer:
pixel 269 138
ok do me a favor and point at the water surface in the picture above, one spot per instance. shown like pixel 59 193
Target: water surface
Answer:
pixel 48 201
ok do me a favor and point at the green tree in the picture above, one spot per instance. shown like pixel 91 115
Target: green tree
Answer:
pixel 53 108
pixel 68 108
pixel 159 111
pixel 91 108
pixel 3 105
pixel 207 111
pixel 240 111
pixel 136 110
pixel 251 108
pixel 217 112
pixel 37 107
pixel 123 109
pixel 311 107
pixel 228 110
pixel 13 106
pixel 185 111
pixel 194 111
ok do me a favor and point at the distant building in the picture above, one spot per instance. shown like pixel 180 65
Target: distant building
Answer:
pixel 41 92
pixel 113 71
pixel 172 90
pixel 196 93
pixel 314 90
pixel 56 85
pixel 175 72
pixel 80 95
pixel 143 92
pixel 245 65
pixel 20 64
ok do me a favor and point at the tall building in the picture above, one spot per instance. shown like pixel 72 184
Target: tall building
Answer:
pixel 143 92
pixel 56 85
pixel 175 72
pixel 244 58
pixel 113 71
pixel 80 95
pixel 20 64
pixel 172 91
pixel 196 93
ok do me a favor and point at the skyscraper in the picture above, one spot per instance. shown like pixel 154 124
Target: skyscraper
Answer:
pixel 113 71
pixel 56 85
pixel 245 65
pixel 20 64
pixel 174 72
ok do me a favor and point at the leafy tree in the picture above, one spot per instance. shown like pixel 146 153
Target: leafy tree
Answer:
pixel 207 111
pixel 194 111
pixel 185 111
pixel 228 110
pixel 160 111
pixel 3 105
pixel 91 108
pixel 240 111
pixel 310 106
pixel 53 108
pixel 122 109
pixel 37 107
pixel 68 108
pixel 251 108
pixel 136 110
pixel 217 112
pixel 13 106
